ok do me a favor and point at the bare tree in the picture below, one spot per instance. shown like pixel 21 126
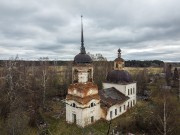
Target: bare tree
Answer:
pixel 142 80
pixel 44 67
pixel 14 89
pixel 166 112
pixel 168 74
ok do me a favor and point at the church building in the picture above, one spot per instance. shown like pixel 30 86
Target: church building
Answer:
pixel 85 104
pixel 119 91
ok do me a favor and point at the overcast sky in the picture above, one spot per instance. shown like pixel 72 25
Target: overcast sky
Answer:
pixel 143 29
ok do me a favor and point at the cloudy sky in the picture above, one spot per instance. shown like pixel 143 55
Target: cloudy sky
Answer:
pixel 143 29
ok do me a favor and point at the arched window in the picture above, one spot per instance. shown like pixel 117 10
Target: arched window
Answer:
pixel 116 65
pixel 92 104
pixel 75 76
pixel 90 75
pixel 73 105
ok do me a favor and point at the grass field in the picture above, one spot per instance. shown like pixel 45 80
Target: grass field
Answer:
pixel 60 127
pixel 135 70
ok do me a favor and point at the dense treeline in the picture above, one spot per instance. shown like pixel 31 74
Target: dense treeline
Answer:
pixel 138 63
pixel 129 63
pixel 38 62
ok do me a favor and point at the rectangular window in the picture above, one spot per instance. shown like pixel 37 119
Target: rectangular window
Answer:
pixel 131 91
pixel 74 118
pixel 120 109
pixel 115 112
pixel 124 107
pixel 128 105
pixel 110 114
pixel 128 91
pixel 92 119
pixel 133 102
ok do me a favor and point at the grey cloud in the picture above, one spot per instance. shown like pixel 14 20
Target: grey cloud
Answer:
pixel 52 28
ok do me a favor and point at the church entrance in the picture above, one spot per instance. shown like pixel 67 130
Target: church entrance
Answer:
pixel 74 118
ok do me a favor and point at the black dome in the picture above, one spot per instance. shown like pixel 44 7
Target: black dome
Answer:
pixel 82 58
pixel 119 59
pixel 119 76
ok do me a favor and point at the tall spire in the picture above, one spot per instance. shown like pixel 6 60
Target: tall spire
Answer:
pixel 83 51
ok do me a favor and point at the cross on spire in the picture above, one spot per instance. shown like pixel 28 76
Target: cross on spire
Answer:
pixel 119 53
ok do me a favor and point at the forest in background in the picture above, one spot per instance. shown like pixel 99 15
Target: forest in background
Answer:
pixel 129 63
pixel 28 91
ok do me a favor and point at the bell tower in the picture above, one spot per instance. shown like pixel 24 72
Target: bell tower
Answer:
pixel 82 70
pixel 82 99
pixel 119 62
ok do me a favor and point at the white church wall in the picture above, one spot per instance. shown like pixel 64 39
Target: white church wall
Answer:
pixel 84 113
pixel 69 114
pixel 119 109
pixel 116 110
pixel 131 90
pixel 82 77
pixel 88 113
pixel 131 93
pixel 131 102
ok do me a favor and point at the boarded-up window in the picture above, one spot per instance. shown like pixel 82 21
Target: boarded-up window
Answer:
pixel 111 114
pixel 115 112
pixel 92 119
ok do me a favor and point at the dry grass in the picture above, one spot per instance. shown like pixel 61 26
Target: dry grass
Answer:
pixel 60 127
pixel 153 70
